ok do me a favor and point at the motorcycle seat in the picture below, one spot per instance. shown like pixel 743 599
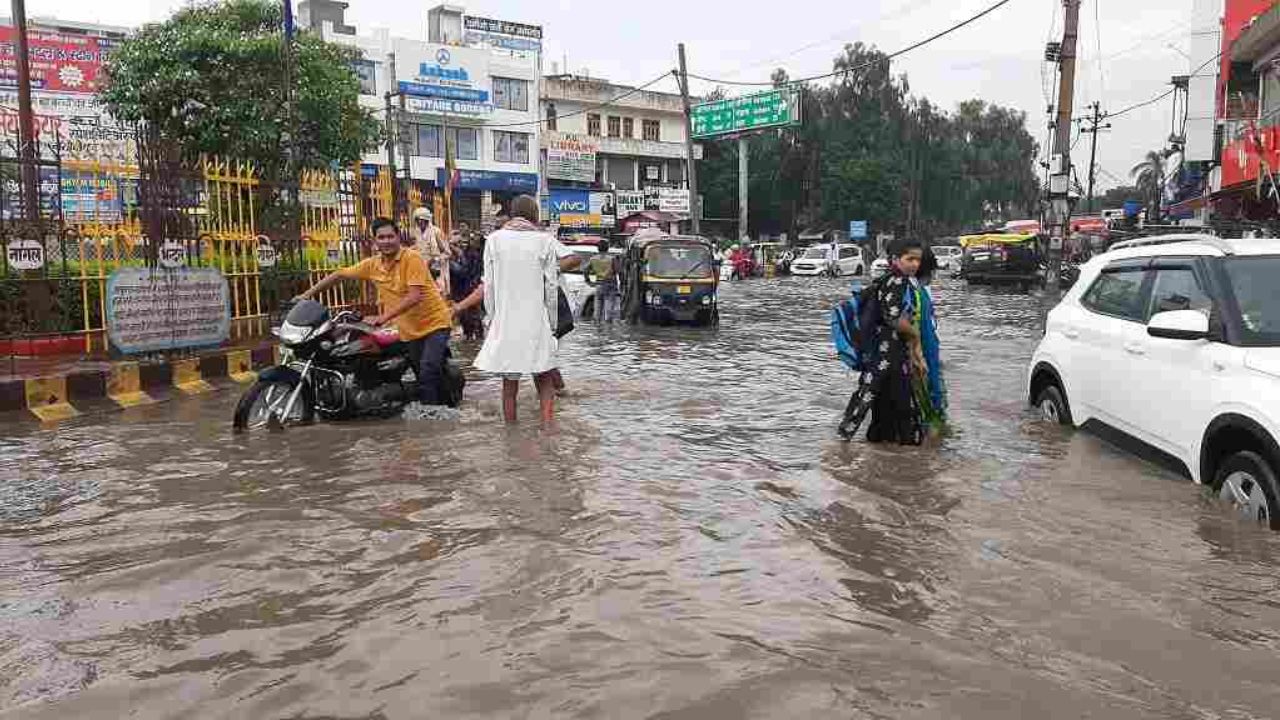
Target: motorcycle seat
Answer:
pixel 386 337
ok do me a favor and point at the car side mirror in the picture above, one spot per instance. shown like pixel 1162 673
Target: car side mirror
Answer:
pixel 1179 325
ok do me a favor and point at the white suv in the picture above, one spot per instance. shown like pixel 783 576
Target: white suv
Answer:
pixel 1175 341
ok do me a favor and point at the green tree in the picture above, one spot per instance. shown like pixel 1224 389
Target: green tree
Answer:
pixel 210 78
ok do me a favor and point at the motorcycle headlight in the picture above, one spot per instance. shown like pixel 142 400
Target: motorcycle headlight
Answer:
pixel 293 334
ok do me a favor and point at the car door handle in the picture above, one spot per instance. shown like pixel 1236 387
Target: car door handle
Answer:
pixel 1135 349
pixel 1071 333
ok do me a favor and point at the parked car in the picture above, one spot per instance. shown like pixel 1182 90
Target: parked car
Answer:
pixel 1174 343
pixel 948 256
pixel 817 260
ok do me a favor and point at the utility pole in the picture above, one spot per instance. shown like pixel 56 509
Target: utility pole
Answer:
pixel 26 120
pixel 1095 124
pixel 744 158
pixel 694 206
pixel 1059 215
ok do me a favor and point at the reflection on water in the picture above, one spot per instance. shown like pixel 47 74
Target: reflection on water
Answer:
pixel 692 541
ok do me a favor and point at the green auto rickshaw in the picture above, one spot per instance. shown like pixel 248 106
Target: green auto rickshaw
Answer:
pixel 670 278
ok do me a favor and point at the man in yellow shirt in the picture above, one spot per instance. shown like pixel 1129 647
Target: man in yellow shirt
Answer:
pixel 407 297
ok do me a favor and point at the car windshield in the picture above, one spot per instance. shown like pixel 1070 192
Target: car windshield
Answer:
pixel 815 253
pixel 678 261
pixel 1256 284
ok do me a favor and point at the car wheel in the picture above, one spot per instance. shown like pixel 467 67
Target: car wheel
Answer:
pixel 1246 482
pixel 1053 406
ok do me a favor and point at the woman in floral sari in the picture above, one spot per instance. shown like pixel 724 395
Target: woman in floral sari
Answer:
pixel 895 385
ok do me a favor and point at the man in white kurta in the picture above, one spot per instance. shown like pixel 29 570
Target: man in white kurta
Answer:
pixel 522 264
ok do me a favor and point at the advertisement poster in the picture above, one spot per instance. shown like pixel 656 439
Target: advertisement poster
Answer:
pixel 443 78
pixel 571 207
pixel 630 202
pixel 673 200
pixel 150 310
pixel 91 199
pixel 571 157
pixel 603 210
pixel 60 62
pixel 651 197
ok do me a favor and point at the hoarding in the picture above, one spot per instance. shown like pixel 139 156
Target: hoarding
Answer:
pixel 772 108
pixel 572 207
pixel 630 202
pixel 673 200
pixel 571 157
pixel 60 62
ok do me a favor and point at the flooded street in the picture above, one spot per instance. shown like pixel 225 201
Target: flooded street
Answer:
pixel 692 542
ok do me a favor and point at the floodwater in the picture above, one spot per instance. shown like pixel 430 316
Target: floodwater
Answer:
pixel 691 542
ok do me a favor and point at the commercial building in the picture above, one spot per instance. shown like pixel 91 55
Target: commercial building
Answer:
pixel 613 157
pixel 470 87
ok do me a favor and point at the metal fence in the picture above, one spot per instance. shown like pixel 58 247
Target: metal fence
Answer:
pixel 100 214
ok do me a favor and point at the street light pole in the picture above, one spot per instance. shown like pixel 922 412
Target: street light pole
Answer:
pixel 26 119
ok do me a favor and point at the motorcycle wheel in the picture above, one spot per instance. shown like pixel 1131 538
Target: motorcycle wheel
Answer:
pixel 265 398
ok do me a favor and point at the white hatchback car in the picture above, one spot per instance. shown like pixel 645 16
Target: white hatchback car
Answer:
pixel 1174 342
pixel 816 260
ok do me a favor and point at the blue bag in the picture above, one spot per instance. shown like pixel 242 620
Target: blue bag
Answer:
pixel 853 325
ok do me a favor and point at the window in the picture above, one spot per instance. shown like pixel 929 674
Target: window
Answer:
pixel 1177 289
pixel 847 253
pixel 509 94
pixel 465 142
pixel 615 126
pixel 366 73
pixel 510 147
pixel 651 130
pixel 628 127
pixel 593 125
pixel 1118 293
pixel 1255 282
pixel 551 116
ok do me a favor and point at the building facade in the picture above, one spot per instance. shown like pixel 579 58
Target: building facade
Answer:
pixel 613 158
pixel 469 88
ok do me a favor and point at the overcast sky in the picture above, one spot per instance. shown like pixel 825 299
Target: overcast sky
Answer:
pixel 998 58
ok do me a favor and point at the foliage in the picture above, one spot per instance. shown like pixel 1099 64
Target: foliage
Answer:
pixel 210 77
pixel 1116 197
pixel 870 150
pixel 1148 175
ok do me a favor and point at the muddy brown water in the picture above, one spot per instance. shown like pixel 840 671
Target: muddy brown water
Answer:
pixel 692 542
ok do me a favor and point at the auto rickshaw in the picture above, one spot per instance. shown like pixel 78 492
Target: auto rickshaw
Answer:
pixel 670 278
pixel 996 258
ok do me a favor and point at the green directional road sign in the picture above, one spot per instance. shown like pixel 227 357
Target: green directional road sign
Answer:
pixel 772 108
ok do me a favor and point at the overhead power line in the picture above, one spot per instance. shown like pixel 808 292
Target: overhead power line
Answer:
pixel 845 71
pixel 1164 94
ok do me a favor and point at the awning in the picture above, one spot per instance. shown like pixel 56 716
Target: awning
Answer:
pixel 1259 39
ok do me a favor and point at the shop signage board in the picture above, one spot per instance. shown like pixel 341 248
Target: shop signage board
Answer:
pixel 571 157
pixel 25 254
pixel 502 27
pixel 439 79
pixel 769 109
pixel 630 202
pixel 157 309
pixel 577 208
pixel 857 229
pixel 673 200
pixel 491 180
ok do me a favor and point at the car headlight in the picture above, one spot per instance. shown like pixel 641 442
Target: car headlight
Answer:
pixel 706 299
pixel 293 334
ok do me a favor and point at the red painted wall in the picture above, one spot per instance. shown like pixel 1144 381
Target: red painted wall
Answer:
pixel 1236 16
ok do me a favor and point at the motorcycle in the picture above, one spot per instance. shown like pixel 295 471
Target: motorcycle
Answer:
pixel 338 368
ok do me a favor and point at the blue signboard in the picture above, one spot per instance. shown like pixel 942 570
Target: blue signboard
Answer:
pixel 857 229
pixel 415 89
pixel 569 201
pixel 492 180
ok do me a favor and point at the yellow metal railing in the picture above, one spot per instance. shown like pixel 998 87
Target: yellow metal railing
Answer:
pixel 109 234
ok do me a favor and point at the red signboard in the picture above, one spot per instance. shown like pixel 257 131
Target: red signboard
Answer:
pixel 1242 158
pixel 60 62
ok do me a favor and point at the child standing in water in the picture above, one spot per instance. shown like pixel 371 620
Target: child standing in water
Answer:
pixel 897 385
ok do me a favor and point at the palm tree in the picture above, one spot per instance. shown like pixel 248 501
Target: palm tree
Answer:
pixel 1148 175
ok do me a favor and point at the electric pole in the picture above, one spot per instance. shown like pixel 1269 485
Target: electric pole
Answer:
pixel 26 120
pixel 1059 215
pixel 694 208
pixel 744 158
pixel 1095 124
